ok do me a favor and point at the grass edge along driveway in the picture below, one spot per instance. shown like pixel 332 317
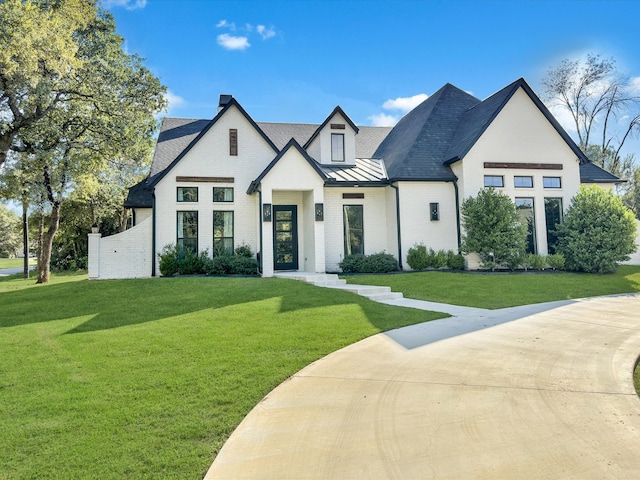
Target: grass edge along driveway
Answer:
pixel 148 378
pixel 501 290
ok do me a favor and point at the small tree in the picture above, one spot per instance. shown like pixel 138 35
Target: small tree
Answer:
pixel 597 233
pixel 493 229
pixel 10 238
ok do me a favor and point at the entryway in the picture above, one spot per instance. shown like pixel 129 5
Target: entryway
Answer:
pixel 285 237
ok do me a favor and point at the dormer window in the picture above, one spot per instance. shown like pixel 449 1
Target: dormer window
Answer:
pixel 337 147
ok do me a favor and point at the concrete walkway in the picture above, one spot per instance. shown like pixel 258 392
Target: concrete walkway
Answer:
pixel 475 396
pixel 5 272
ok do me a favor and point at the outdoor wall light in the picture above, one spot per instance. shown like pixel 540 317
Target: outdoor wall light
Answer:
pixel 319 212
pixel 434 209
pixel 266 212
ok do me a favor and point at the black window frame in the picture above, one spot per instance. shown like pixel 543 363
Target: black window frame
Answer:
pixel 546 179
pixel 191 244
pixel 220 239
pixel 334 159
pixel 348 235
pixel 501 177
pixel 223 189
pixel 179 189
pixel 529 184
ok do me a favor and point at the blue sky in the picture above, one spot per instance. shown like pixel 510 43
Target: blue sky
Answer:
pixel 294 61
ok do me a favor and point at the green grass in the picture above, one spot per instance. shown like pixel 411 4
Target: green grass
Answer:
pixel 14 262
pixel 148 378
pixel 500 290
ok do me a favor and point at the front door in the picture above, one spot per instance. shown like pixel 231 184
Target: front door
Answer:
pixel 285 237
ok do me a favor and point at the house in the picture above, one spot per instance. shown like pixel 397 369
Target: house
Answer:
pixel 304 196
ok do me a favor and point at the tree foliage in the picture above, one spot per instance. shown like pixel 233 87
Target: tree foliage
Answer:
pixel 10 236
pixel 597 233
pixel 493 229
pixel 92 117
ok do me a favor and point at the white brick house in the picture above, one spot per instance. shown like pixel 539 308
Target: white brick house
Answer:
pixel 303 196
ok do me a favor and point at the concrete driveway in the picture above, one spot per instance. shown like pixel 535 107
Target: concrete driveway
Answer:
pixel 549 395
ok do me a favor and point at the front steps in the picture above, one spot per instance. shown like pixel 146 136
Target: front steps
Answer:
pixel 372 292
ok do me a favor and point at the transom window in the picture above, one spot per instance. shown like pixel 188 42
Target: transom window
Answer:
pixel 551 182
pixel 187 194
pixel 223 194
pixel 337 147
pixel 493 181
pixel 187 235
pixel 353 229
pixel 523 181
pixel 222 233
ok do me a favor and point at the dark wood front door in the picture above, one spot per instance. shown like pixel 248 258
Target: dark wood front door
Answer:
pixel 285 237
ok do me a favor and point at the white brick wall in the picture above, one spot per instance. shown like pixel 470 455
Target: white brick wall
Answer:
pixel 125 255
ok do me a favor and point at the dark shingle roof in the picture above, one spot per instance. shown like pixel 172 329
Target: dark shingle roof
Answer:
pixel 416 147
pixel 592 173
pixel 175 135
pixel 140 196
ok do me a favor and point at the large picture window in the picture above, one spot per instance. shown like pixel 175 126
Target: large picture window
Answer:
pixel 524 206
pixel 187 237
pixel 353 230
pixel 337 147
pixel 222 233
pixel 553 217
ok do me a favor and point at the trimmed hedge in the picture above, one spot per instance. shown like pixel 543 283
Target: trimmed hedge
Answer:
pixel 174 260
pixel 376 263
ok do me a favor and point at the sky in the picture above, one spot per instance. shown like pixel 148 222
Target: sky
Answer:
pixel 294 61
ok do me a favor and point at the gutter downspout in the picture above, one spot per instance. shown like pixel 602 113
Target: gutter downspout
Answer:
pixel 395 187
pixel 260 227
pixel 457 194
pixel 153 234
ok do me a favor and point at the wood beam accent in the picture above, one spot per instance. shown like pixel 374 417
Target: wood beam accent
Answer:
pixel 205 179
pixel 353 195
pixel 525 166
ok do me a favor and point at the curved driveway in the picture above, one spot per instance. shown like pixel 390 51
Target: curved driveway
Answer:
pixel 547 396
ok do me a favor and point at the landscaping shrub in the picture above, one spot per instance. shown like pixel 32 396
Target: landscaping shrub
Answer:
pixel 243 250
pixel 556 261
pixel 190 263
pixel 220 265
pixel 243 265
pixel 417 257
pixel 493 229
pixel 169 260
pixel 597 233
pixel 376 263
pixel 455 261
pixel 439 258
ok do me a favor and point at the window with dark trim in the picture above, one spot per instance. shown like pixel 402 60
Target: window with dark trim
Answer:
pixel 223 194
pixel 233 142
pixel 187 230
pixel 524 207
pixel 525 181
pixel 337 147
pixel 187 194
pixel 353 229
pixel 551 182
pixel 222 233
pixel 553 217
pixel 493 181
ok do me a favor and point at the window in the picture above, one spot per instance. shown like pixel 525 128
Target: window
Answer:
pixel 337 147
pixel 493 181
pixel 553 217
pixel 353 230
pixel 187 194
pixel 524 206
pixel 434 210
pixel 523 182
pixel 233 142
pixel 551 182
pixel 222 233
pixel 188 231
pixel 223 194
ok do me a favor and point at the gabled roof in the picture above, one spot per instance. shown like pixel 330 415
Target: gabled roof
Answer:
pixel 477 119
pixel 327 120
pixel 292 144
pixel 592 173
pixel 192 137
pixel 140 196
pixel 416 147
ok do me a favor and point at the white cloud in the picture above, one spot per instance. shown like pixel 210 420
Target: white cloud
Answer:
pixel 224 24
pixel 405 104
pixel 564 117
pixel 265 32
pixel 383 120
pixel 128 4
pixel 634 85
pixel 231 42
pixel 174 100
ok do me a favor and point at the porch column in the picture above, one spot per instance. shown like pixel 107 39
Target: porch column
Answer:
pixel 320 263
pixel 266 224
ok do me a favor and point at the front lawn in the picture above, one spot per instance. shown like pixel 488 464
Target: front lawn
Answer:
pixel 500 290
pixel 14 262
pixel 147 378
